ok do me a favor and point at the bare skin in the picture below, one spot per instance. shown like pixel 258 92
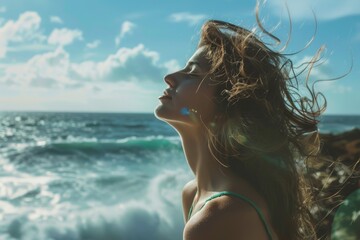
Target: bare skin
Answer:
pixel 224 217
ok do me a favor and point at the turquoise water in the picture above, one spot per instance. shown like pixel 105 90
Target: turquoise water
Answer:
pixel 96 176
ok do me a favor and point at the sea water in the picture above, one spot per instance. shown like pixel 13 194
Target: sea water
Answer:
pixel 72 176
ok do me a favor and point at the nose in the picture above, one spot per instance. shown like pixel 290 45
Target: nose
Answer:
pixel 170 80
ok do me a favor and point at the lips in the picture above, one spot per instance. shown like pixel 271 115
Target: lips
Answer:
pixel 166 96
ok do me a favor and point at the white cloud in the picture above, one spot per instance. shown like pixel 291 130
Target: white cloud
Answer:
pixel 45 70
pixel 172 66
pixel 64 36
pixel 126 28
pixel 3 9
pixel 56 19
pixel 93 44
pixel 334 87
pixel 324 9
pixel 30 47
pixel 191 19
pixel 319 71
pixel 127 64
pixel 26 28
pixel 322 73
pixel 50 81
pixel 23 29
pixel 54 69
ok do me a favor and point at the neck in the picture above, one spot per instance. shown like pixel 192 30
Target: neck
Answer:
pixel 210 175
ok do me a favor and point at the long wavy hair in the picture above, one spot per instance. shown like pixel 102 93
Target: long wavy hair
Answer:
pixel 267 130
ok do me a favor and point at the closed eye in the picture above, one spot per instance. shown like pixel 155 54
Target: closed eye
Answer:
pixel 193 69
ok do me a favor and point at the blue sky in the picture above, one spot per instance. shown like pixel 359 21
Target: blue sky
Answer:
pixel 111 56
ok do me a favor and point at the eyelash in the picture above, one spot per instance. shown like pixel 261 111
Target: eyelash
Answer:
pixel 192 70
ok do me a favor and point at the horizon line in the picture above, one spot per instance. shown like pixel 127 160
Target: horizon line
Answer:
pixel 125 112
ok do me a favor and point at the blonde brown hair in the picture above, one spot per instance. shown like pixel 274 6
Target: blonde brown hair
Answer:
pixel 267 130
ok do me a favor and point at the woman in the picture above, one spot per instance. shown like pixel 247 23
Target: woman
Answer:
pixel 244 131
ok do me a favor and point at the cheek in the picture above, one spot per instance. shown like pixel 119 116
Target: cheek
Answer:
pixel 185 95
pixel 206 103
pixel 200 100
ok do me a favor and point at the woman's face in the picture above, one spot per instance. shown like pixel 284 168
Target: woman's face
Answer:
pixel 189 97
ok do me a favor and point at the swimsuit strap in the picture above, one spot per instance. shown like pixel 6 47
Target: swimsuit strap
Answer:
pixel 227 193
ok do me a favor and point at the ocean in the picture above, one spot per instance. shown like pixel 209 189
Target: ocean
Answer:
pixel 72 176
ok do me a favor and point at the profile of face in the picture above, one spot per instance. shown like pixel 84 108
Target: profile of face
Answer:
pixel 189 98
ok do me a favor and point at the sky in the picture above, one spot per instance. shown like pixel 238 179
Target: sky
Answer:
pixel 111 56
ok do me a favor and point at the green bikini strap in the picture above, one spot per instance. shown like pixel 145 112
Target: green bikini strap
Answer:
pixel 262 218
pixel 190 211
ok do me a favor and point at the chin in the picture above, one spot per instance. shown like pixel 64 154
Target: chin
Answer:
pixel 162 113
pixel 169 116
pixel 158 111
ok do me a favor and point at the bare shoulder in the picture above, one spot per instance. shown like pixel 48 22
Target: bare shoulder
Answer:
pixel 190 187
pixel 225 218
pixel 188 195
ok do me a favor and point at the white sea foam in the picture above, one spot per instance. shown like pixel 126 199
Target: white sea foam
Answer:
pixel 76 176
pixel 156 216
